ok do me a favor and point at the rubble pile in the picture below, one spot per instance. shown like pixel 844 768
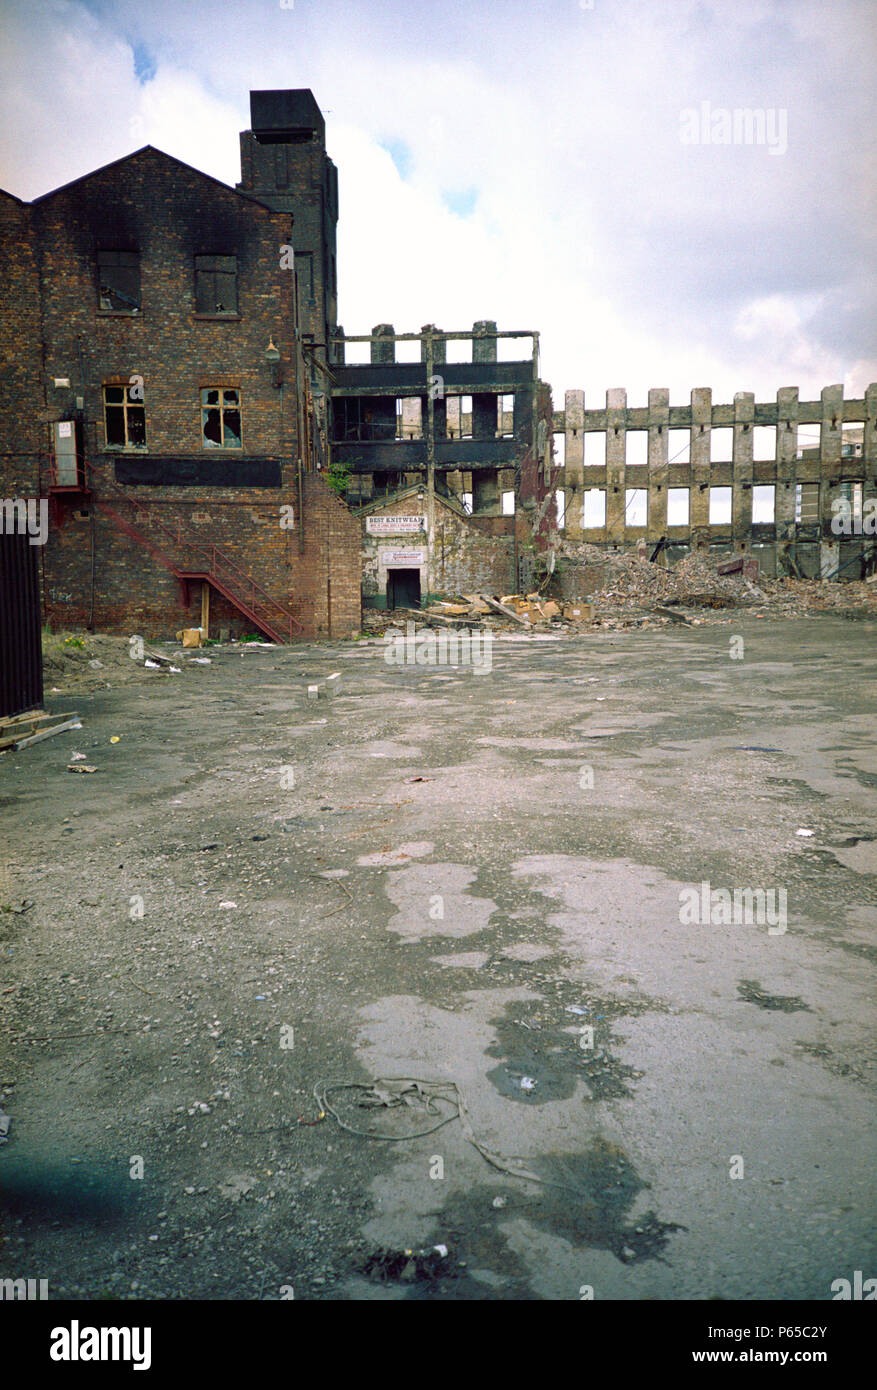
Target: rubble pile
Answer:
pixel 625 589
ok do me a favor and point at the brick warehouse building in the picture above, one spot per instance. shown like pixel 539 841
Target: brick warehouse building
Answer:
pixel 158 353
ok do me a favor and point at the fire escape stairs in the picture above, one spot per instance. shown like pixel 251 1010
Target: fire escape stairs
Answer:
pixel 189 561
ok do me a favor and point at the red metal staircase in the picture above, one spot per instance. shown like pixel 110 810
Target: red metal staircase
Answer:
pixel 207 563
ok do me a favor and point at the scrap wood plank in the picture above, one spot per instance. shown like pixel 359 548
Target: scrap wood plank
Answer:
pixel 69 721
pixel 506 612
pixel 16 723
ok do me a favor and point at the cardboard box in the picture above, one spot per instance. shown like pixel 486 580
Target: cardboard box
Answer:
pixel 190 636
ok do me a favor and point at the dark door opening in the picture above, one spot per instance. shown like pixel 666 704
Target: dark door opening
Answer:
pixel 403 588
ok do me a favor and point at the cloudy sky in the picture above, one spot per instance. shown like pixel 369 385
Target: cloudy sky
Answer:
pixel 566 165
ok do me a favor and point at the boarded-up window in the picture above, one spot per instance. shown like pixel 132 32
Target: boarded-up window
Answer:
pixel 216 284
pixel 220 418
pixel 119 281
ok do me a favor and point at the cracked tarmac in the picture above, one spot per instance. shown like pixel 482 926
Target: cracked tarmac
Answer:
pixel 511 923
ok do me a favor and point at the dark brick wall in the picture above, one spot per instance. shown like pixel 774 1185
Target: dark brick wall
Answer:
pixel 94 572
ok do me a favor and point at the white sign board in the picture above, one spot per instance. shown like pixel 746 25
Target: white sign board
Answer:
pixel 394 525
pixel 402 559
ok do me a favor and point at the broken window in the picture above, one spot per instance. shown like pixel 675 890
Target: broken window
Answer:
pixel 764 443
pixel 679 446
pixel 594 507
pixel 119 281
pixel 722 444
pixel 505 416
pixel 636 506
pixel 720 506
pixel 677 506
pixel 125 416
pixel 466 501
pixel 216 285
pixel 595 449
pixel 763 502
pixel 220 418
pixel 560 503
pixel 637 448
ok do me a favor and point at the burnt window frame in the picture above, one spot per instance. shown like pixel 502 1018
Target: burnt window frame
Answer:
pixel 205 283
pixel 109 258
pixel 221 406
pixel 128 404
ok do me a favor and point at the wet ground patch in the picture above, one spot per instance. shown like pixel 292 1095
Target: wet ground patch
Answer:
pixel 750 992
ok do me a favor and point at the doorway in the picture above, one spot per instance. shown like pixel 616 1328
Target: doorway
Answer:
pixel 403 588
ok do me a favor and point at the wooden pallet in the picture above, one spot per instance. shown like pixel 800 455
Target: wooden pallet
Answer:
pixel 33 727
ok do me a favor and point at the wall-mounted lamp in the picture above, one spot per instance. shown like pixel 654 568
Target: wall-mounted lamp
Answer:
pixel 272 353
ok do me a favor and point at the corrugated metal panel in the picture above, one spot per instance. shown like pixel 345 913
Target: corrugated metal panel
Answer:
pixel 21 653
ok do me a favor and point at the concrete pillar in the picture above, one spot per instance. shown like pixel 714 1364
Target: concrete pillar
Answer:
pixel 699 468
pixel 437 385
pixel 741 515
pixel 484 346
pixel 830 439
pixel 787 442
pixel 659 453
pixel 616 423
pixel 383 351
pixel 869 433
pixel 573 473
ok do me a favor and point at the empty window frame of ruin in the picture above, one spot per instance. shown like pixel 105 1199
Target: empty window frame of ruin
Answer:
pixel 409 417
pixel 119 281
pixel 807 441
pixel 595 448
pixel 459 417
pixel 807 504
pixel 764 443
pixel 505 417
pixel 560 504
pixel 125 417
pixel 721 499
pixel 678 501
pixel 216 285
pixel 221 418
pixel 508 503
pixel 636 448
pixel 722 444
pixel 679 446
pixel 636 506
pixel 763 504
pixel 851 440
pixel 594 508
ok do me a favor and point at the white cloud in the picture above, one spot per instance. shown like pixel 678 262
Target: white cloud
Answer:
pixel 643 262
